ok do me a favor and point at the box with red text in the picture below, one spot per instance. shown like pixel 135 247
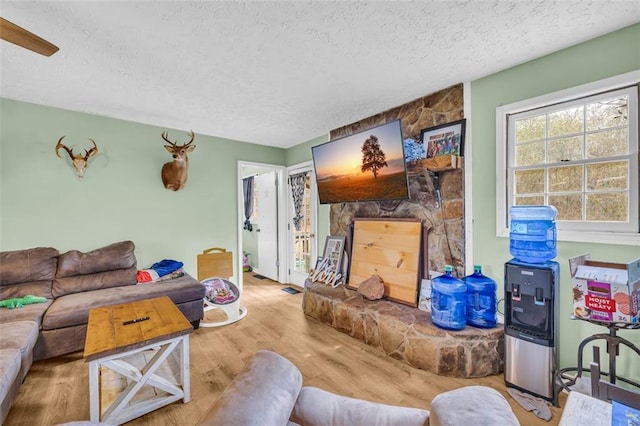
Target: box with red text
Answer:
pixel 605 291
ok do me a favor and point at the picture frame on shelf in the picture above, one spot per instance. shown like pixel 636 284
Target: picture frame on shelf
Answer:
pixel 333 252
pixel 445 139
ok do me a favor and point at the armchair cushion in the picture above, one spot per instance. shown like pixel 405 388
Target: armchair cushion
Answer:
pixel 263 393
pixel 316 407
pixel 472 405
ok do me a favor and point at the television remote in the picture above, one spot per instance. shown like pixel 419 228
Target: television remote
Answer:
pixel 133 321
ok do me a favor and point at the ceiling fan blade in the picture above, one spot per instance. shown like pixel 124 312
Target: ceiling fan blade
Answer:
pixel 23 38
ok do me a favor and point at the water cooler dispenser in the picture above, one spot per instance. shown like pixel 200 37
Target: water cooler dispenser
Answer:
pixel 531 327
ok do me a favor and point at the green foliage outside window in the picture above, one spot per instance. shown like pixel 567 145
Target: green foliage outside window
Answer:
pixel 556 156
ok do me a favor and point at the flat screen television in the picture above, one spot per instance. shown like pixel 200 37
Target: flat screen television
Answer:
pixel 366 166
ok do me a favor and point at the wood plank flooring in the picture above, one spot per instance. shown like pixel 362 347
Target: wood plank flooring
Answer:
pixel 56 390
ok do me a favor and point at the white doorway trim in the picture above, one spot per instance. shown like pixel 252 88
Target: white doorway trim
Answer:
pixel 281 172
pixel 468 186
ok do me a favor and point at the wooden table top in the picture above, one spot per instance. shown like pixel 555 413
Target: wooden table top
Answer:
pixel 108 335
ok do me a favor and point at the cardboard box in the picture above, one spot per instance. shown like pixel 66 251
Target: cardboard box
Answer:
pixel 424 300
pixel 606 292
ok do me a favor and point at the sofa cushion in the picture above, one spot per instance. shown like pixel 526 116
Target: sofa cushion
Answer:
pixel 73 309
pixel 472 405
pixel 21 335
pixel 263 393
pixel 28 271
pixel 317 407
pixel 9 369
pixel 33 312
pixel 106 267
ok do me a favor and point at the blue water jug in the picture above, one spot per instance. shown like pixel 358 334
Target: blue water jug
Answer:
pixel 448 301
pixel 481 299
pixel 532 233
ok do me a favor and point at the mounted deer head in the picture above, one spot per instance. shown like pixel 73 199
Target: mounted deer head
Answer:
pixel 174 174
pixel 78 161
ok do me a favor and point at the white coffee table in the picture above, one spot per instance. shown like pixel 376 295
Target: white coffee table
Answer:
pixel 115 334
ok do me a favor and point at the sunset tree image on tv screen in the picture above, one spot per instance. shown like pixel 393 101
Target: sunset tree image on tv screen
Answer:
pixel 373 157
pixel 365 166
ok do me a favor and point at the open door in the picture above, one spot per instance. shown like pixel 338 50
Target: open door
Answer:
pixel 266 185
pixel 301 223
pixel 268 247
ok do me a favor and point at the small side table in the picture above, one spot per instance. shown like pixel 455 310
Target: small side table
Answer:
pixel 613 349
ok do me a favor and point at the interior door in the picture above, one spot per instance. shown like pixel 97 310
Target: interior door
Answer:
pixel 302 239
pixel 266 185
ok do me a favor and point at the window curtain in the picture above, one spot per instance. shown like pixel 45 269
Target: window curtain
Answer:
pixel 298 186
pixel 247 191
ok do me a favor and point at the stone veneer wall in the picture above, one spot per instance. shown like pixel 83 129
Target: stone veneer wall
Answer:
pixel 446 223
pixel 406 333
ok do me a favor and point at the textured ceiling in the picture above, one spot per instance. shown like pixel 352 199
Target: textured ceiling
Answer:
pixel 278 73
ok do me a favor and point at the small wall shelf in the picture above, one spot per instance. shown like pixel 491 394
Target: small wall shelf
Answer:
pixel 444 163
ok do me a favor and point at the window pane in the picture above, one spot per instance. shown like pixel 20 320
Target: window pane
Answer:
pixel 537 200
pixel 569 206
pixel 565 179
pixel 611 207
pixel 530 154
pixel 607 113
pixel 529 182
pixel 577 151
pixel 566 121
pixel 608 143
pixel 566 149
pixel 530 129
pixel 611 175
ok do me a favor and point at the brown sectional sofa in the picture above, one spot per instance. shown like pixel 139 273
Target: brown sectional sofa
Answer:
pixel 73 283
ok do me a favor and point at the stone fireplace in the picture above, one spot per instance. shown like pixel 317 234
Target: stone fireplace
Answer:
pixel 437 200
pixel 406 333
pixel 443 217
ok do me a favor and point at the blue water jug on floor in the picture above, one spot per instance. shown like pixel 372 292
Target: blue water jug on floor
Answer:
pixel 532 233
pixel 448 301
pixel 481 299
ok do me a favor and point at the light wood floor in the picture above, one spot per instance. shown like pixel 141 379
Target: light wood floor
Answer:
pixel 56 390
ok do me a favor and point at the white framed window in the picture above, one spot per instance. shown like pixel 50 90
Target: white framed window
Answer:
pixel 577 150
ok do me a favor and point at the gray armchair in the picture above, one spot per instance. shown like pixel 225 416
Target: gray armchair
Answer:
pixel 269 391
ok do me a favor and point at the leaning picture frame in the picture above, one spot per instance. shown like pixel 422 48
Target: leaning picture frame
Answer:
pixel 445 139
pixel 333 252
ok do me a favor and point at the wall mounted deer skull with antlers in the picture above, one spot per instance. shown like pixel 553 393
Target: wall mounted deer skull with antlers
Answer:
pixel 174 173
pixel 78 161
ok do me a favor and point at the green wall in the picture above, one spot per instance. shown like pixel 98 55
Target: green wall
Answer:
pixel 43 203
pixel 606 56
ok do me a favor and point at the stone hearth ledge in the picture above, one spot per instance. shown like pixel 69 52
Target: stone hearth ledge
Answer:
pixel 407 333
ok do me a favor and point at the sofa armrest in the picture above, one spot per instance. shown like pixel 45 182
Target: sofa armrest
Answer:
pixel 316 407
pixel 472 405
pixel 263 393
